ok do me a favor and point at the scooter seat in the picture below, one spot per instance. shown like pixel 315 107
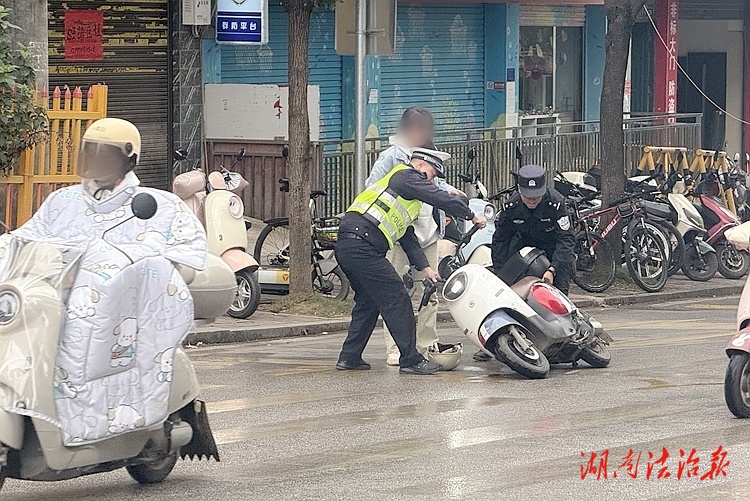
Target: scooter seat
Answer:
pixel 523 286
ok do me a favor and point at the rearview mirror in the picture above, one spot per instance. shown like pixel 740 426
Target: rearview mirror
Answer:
pixel 472 154
pixel 285 151
pixel 241 154
pixel 180 154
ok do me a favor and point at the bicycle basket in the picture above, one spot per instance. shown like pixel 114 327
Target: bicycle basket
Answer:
pixel 326 232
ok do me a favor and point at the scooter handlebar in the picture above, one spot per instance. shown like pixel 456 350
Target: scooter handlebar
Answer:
pixel 430 288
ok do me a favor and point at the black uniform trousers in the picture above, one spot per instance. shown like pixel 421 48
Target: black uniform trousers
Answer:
pixel 378 290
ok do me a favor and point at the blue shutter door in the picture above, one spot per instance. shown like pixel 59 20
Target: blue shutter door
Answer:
pixel 267 64
pixel 438 64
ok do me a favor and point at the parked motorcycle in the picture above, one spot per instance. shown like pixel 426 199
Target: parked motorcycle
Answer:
pixel 34 292
pixel 217 204
pixel 272 252
pixel 733 263
pixel 528 324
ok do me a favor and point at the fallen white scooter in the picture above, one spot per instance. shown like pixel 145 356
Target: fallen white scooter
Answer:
pixel 33 293
pixel 527 325
pixel 223 215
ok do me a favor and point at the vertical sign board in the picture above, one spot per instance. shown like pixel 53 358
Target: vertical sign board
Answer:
pixel 242 21
pixel 665 74
pixel 84 35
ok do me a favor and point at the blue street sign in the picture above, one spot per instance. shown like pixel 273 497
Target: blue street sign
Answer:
pixel 242 21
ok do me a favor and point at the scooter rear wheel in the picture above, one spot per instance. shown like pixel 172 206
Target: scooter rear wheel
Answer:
pixel 532 364
pixel 737 385
pixel 153 473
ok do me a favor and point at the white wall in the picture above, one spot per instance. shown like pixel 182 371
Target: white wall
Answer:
pixel 720 36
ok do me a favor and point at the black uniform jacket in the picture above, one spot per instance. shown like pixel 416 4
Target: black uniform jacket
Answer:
pixel 409 184
pixel 547 226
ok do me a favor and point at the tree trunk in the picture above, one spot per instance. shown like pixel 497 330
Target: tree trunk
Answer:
pixel 299 160
pixel 31 17
pixel 620 18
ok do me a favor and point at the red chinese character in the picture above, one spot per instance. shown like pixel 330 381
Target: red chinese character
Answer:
pixel 630 466
pixel 689 467
pixel 663 470
pixel 591 468
pixel 718 464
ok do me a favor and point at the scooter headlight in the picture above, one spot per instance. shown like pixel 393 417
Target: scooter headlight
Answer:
pixel 10 305
pixel 489 212
pixel 455 286
pixel 236 207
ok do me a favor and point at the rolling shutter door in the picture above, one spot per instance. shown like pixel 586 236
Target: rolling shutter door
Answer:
pixel 135 67
pixel 439 64
pixel 267 64
pixel 552 15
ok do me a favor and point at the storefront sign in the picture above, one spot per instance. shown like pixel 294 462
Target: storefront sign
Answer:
pixel 495 85
pixel 666 58
pixel 242 21
pixel 84 39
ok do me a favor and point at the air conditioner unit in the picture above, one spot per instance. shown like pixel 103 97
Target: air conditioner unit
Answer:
pixel 196 12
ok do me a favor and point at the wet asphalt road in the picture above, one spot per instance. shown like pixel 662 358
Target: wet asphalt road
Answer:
pixel 291 427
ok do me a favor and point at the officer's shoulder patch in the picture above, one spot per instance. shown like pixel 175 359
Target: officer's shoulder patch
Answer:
pixel 564 223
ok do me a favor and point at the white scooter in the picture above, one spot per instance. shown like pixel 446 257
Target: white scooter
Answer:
pixel 33 292
pixel 217 204
pixel 527 325
pixel 478 250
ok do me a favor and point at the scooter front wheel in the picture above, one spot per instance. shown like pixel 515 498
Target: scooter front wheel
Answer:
pixel 737 385
pixel 596 354
pixel 247 298
pixel 733 263
pixel 697 267
pixel 530 363
pixel 153 473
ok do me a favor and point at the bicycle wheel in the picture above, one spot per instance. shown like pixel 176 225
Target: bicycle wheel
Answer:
pixel 272 246
pixel 646 260
pixel 676 244
pixel 595 263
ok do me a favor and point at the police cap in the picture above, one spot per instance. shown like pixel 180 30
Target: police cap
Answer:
pixel 531 182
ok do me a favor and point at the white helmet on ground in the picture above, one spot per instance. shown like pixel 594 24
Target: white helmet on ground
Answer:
pixel 447 355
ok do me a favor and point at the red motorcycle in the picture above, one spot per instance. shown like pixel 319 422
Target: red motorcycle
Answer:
pixel 733 262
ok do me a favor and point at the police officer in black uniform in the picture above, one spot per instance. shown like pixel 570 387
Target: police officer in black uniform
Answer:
pixel 535 217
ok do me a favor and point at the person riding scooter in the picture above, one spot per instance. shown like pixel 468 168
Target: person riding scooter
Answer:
pixel 535 217
pixel 379 217
pixel 128 307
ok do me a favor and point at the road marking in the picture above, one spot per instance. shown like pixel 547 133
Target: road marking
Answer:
pixel 650 342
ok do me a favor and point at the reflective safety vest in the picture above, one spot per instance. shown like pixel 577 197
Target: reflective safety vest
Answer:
pixel 391 213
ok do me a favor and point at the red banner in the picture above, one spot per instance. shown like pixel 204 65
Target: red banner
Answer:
pixel 84 38
pixel 665 61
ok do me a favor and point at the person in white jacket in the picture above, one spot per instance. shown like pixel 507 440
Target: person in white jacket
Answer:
pixel 415 130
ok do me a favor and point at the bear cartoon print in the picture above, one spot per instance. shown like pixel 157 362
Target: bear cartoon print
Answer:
pixel 165 360
pixel 82 302
pixel 177 287
pixel 63 388
pixel 123 352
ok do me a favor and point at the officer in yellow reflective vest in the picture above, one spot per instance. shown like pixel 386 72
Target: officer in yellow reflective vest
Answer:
pixel 380 216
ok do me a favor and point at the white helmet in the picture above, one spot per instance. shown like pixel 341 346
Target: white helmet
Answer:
pixel 111 135
pixel 447 355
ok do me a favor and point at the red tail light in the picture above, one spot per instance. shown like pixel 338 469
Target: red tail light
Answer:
pixel 550 298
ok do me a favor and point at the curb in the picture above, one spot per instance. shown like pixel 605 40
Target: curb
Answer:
pixel 218 335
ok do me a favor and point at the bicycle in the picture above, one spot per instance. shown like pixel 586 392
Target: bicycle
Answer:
pixel 272 248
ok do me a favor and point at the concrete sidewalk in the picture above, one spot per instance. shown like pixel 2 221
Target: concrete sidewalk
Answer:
pixel 264 325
